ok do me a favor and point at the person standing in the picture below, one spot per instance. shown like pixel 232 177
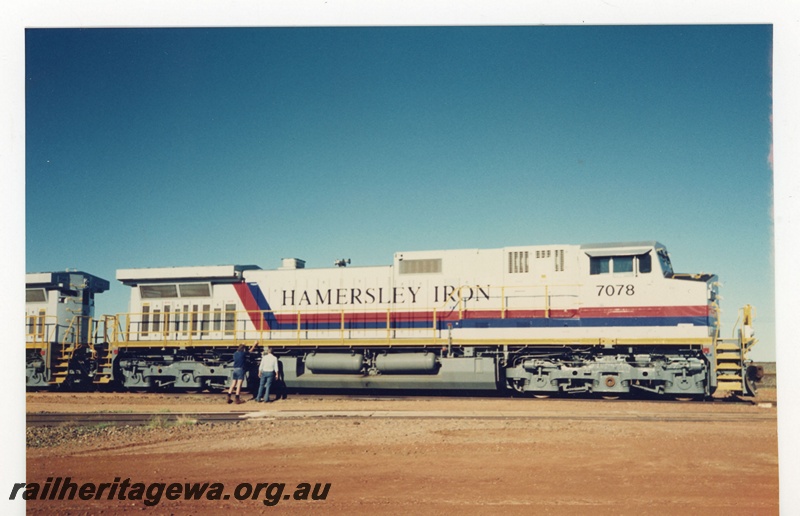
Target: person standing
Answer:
pixel 239 363
pixel 268 372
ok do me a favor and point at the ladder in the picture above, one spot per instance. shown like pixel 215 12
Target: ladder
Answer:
pixel 730 356
pixel 73 341
pixel 105 358
pixel 59 364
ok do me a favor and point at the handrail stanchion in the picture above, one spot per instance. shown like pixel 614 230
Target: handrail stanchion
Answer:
pixel 298 327
pixel 434 324
pixel 388 325
pixel 341 325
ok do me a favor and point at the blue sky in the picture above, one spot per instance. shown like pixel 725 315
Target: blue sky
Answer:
pixel 171 147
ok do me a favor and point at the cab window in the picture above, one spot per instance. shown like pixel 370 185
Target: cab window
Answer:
pixel 623 264
pixel 599 265
pixel 645 263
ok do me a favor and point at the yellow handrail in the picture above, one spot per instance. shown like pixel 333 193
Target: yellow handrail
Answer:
pixel 196 327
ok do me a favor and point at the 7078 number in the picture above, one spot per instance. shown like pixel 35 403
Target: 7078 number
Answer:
pixel 615 290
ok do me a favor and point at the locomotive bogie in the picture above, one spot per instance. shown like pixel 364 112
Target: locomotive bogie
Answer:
pixel 181 369
pixel 613 375
pixel 36 374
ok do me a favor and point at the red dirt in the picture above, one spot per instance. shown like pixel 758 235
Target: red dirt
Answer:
pixel 560 463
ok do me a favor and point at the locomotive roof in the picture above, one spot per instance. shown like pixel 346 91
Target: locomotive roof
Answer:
pixel 608 249
pixel 63 279
pixel 215 272
pixel 606 245
pixel 235 272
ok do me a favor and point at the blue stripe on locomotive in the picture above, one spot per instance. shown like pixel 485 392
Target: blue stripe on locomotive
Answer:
pixel 263 304
pixel 497 323
pixel 589 322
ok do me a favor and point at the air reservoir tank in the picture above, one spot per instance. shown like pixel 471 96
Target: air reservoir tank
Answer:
pixel 334 363
pixel 411 363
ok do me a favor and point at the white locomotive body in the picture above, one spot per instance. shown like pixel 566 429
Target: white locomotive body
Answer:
pixel 607 318
pixel 59 326
pixel 562 293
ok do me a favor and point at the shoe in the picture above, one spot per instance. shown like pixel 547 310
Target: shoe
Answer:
pixel 229 399
pixel 259 401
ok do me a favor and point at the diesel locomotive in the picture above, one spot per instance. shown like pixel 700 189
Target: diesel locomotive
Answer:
pixel 607 319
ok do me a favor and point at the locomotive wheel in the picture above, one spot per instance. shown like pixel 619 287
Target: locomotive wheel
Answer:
pixel 754 374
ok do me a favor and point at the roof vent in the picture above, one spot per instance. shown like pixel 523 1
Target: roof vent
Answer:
pixel 292 263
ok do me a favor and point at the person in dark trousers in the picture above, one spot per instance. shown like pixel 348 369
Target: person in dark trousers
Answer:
pixel 268 372
pixel 281 391
pixel 239 363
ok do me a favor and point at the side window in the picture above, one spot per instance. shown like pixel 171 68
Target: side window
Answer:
pixel 623 264
pixel 185 319
pixel 167 315
pixel 194 319
pixel 177 318
pixel 230 321
pixel 145 329
pixel 645 263
pixel 40 324
pixel 666 264
pixel 599 265
pixel 217 319
pixel 204 319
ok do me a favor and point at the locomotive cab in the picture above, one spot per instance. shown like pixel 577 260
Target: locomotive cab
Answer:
pixel 637 279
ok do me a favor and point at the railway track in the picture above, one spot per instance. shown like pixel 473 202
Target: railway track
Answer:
pixel 216 396
pixel 129 419
pixel 166 419
pixel 530 415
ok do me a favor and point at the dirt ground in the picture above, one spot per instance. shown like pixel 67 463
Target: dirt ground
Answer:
pixel 553 456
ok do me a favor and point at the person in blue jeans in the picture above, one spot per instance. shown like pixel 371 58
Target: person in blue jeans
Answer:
pixel 268 372
pixel 239 363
